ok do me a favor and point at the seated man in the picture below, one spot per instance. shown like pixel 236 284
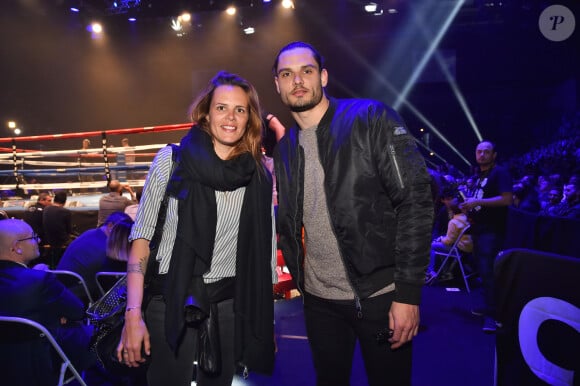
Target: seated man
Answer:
pixel 115 201
pixel 454 228
pixel 39 296
pixel 87 254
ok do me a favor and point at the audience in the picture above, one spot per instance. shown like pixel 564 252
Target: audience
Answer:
pixel 38 295
pixel 33 214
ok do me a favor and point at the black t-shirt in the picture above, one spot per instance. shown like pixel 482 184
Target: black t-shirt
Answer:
pixel 490 183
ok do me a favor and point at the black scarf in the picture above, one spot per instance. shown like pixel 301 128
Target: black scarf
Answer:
pixel 199 174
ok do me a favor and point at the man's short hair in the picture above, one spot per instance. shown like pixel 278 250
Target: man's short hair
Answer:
pixel 493 147
pixel 60 197
pixel 298 44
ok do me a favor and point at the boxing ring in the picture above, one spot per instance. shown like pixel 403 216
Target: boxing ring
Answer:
pixel 48 163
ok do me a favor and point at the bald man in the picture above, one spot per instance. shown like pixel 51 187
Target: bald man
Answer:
pixel 39 296
pixel 115 201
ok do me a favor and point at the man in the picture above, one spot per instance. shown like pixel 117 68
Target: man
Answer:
pixel 37 295
pixel 570 205
pixel 487 210
pixel 33 215
pixel 57 221
pixel 350 173
pixel 114 201
pixel 87 254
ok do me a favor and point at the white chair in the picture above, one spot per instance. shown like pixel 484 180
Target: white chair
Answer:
pixel 454 255
pixel 106 280
pixel 75 283
pixel 15 331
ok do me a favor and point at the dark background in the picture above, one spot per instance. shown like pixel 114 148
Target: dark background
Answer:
pixel 56 78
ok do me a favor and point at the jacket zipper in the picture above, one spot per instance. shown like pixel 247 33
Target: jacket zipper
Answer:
pixel 393 155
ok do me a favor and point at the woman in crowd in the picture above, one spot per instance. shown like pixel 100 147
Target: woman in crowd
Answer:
pixel 218 245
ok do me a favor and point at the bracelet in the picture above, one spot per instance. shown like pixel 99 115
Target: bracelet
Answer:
pixel 127 309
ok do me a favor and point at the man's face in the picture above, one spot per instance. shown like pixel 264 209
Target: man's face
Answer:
pixel 45 201
pixel 554 196
pixel 27 243
pixel 484 154
pixel 299 81
pixel 569 192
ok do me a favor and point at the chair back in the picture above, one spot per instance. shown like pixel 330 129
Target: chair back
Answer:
pixel 75 283
pixel 31 356
pixel 455 246
pixel 107 279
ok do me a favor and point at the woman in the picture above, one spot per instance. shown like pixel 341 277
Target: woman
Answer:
pixel 221 203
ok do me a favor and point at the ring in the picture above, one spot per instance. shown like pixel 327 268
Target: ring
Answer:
pixel 125 352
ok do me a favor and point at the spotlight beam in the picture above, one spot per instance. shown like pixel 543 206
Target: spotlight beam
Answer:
pixel 459 95
pixel 380 78
pixel 427 56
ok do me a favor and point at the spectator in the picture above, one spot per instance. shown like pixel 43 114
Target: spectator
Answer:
pixel 38 295
pixel 87 254
pixel 570 205
pixel 33 215
pixel 555 198
pixel 454 227
pixel 57 222
pixel 115 201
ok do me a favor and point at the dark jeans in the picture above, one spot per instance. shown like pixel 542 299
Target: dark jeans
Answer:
pixel 168 369
pixel 486 246
pixel 333 329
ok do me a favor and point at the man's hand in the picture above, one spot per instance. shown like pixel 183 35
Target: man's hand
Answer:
pixel 404 321
pixel 469 204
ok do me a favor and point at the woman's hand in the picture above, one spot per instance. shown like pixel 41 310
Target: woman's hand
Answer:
pixel 134 335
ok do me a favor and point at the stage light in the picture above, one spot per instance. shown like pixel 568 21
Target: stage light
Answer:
pixel 287 4
pixel 249 30
pixel 392 11
pixel 231 11
pixel 74 9
pixel 96 28
pixel 185 17
pixel 11 124
pixel 132 19
pixel 176 25
pixel 371 7
pixel 17 131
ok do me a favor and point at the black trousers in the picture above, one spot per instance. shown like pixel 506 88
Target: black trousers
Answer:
pixel 333 329
pixel 166 368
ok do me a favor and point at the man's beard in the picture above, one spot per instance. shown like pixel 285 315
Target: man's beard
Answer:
pixel 306 105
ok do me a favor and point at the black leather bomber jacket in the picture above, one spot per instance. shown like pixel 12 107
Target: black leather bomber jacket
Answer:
pixel 378 197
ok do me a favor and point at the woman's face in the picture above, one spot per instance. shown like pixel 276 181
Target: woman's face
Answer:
pixel 228 116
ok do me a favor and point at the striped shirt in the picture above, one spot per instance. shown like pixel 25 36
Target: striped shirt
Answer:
pixel 229 206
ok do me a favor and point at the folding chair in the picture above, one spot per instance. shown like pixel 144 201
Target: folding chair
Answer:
pixel 16 331
pixel 106 280
pixel 454 255
pixel 74 282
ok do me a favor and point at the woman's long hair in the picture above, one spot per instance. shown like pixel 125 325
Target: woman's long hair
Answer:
pixel 252 138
